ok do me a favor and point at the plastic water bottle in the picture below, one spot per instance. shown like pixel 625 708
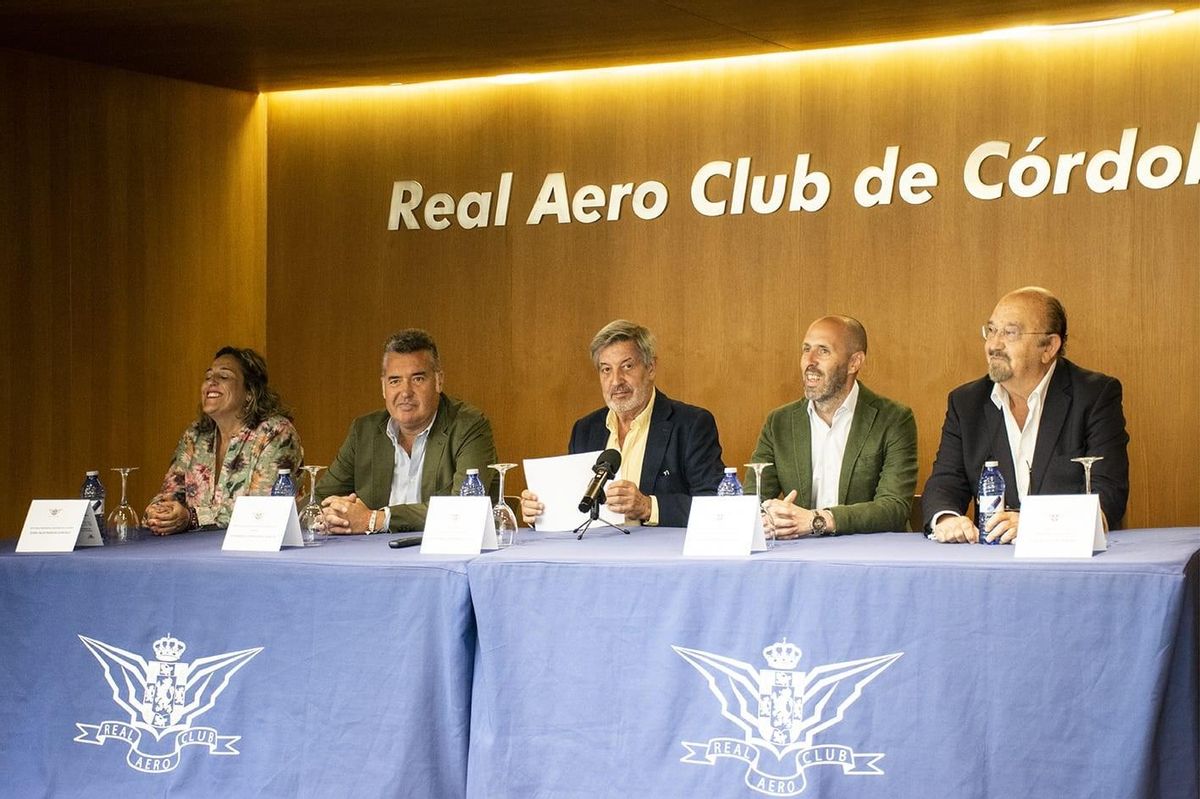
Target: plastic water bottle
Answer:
pixel 729 485
pixel 284 487
pixel 472 486
pixel 991 497
pixel 93 489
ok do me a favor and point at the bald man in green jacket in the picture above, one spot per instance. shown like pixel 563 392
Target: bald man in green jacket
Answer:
pixel 844 458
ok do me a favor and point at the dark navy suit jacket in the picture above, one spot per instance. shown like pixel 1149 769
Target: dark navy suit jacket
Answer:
pixel 683 455
pixel 1082 416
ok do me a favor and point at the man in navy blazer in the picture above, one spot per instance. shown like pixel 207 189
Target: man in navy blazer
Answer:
pixel 1033 413
pixel 670 447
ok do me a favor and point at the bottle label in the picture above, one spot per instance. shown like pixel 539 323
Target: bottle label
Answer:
pixel 989 505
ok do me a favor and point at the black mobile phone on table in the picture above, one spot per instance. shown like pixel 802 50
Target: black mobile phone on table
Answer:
pixel 405 541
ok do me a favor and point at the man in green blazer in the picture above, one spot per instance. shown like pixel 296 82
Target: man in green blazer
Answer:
pixel 845 458
pixel 419 446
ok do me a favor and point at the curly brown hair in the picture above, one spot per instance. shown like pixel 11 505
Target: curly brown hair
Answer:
pixel 262 400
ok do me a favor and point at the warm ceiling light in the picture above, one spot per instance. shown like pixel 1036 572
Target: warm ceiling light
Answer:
pixel 519 78
pixel 1071 26
pixel 514 78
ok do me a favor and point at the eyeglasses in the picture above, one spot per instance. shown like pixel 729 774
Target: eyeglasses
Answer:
pixel 1010 334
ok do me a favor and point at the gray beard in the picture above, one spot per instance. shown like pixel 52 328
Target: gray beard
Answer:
pixel 829 390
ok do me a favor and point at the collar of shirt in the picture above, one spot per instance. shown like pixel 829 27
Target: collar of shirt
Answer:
pixel 393 430
pixel 633 453
pixel 1000 395
pixel 845 409
pixel 406 468
pixel 1023 441
pixel 637 428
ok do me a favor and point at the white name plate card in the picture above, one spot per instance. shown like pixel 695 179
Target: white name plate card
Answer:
pixel 263 524
pixel 59 525
pixel 458 526
pixel 1060 526
pixel 724 527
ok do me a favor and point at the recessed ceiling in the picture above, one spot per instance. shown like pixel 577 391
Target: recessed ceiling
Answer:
pixel 269 45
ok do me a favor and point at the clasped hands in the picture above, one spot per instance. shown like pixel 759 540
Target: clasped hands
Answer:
pixel 166 516
pixel 785 519
pixel 346 515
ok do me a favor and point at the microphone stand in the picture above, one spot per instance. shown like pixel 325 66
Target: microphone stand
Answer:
pixel 593 516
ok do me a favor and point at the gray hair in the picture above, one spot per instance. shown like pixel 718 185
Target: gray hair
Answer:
pixel 413 340
pixel 624 330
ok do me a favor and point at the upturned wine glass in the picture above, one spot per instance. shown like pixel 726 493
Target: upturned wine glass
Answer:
pixel 768 535
pixel 505 519
pixel 1087 462
pixel 312 518
pixel 123 522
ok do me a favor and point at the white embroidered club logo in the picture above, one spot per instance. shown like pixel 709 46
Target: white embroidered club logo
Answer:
pixel 779 710
pixel 162 697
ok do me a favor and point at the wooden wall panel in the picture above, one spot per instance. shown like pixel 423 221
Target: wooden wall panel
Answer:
pixel 132 245
pixel 730 297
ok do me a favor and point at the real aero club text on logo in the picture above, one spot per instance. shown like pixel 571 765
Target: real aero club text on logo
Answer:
pixel 779 710
pixel 163 697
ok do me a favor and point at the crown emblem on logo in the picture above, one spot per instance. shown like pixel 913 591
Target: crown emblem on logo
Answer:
pixel 169 648
pixel 782 655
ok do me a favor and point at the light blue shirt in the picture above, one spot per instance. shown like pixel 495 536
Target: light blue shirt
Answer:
pixel 406 469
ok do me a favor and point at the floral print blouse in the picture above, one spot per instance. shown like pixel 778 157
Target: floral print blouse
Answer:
pixel 251 465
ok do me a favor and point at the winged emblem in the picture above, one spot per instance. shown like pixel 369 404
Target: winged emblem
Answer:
pixel 780 707
pixel 165 695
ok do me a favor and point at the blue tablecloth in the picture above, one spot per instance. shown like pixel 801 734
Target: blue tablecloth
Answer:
pixel 860 666
pixel 342 670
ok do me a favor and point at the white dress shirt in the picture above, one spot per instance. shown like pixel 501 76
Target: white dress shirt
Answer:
pixel 829 450
pixel 1022 441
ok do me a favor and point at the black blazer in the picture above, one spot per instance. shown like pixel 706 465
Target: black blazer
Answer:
pixel 1082 416
pixel 683 455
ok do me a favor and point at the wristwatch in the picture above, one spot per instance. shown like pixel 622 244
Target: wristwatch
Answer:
pixel 818 524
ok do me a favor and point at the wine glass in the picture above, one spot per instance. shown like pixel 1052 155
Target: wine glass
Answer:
pixel 506 521
pixel 123 522
pixel 769 535
pixel 312 518
pixel 1087 462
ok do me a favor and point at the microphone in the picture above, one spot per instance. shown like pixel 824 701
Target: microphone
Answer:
pixel 606 466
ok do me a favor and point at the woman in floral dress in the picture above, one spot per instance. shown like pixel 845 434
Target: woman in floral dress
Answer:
pixel 242 437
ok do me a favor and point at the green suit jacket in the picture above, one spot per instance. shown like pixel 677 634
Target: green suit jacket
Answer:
pixel 879 468
pixel 461 439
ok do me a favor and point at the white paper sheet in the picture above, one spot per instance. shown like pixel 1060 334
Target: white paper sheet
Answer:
pixel 559 483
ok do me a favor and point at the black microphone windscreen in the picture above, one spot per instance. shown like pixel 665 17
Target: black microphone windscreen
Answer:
pixel 610 458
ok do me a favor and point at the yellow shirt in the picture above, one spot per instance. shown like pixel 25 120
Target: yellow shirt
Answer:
pixel 634 451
